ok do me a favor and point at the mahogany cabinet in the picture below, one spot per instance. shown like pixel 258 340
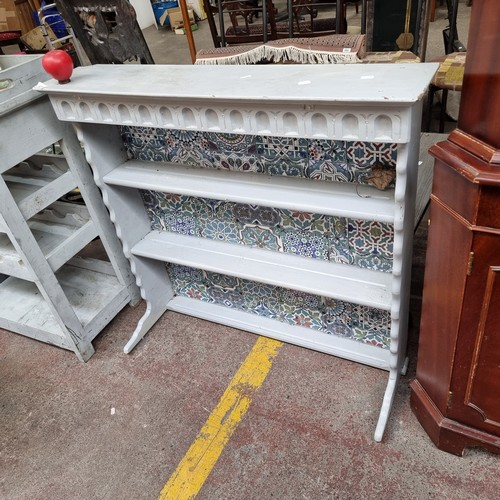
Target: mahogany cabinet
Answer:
pixel 456 395
pixel 457 392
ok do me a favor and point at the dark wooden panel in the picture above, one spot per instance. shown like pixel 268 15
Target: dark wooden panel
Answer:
pixel 458 402
pixel 455 191
pixel 480 99
pixel 444 285
pixel 489 209
pixel 476 380
pixel 483 391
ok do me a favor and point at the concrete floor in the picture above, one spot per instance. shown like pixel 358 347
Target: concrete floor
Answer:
pixel 117 426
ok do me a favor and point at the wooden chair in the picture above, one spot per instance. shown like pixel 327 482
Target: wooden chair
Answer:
pixel 242 27
pixel 248 11
pixel 449 76
pixel 301 8
pixel 356 5
pixel 108 30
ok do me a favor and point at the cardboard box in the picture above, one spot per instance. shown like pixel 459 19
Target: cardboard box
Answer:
pixel 35 40
pixel 175 17
pixel 159 9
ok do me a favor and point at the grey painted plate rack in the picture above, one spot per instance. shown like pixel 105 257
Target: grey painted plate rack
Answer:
pixel 354 103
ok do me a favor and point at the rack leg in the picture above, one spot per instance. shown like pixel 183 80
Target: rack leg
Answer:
pixel 156 290
pixel 153 313
pixel 84 352
pixel 386 404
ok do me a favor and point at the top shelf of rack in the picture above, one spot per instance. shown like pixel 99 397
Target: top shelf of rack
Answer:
pixel 365 102
pixel 382 83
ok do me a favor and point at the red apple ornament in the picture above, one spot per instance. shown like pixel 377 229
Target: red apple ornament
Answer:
pixel 58 64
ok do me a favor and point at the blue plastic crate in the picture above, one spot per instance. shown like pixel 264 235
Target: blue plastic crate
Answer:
pixel 159 9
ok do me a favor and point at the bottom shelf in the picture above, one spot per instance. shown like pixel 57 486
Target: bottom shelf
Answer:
pixel 304 337
pixel 91 288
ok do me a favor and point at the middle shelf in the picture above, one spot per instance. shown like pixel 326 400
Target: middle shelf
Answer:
pixel 329 198
pixel 352 284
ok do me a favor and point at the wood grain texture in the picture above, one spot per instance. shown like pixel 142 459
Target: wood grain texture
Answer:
pixel 455 395
pixel 480 100
pixel 45 298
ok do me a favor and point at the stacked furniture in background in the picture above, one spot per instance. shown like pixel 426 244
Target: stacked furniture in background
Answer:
pixel 260 22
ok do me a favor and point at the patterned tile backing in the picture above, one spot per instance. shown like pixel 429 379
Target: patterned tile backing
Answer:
pixel 332 317
pixel 366 244
pixel 318 159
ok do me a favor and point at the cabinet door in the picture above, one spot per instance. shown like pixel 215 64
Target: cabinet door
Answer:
pixel 448 249
pixel 475 394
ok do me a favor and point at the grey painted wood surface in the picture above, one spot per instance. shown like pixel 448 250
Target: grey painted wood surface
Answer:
pixel 47 293
pixel 338 102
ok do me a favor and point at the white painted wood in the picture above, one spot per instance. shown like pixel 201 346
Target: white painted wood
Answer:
pixel 59 248
pixel 69 216
pixel 156 290
pixel 352 284
pixel 34 127
pixel 74 155
pixel 104 153
pixel 425 173
pixel 26 246
pixel 98 297
pixel 330 198
pixel 33 195
pixel 91 264
pixel 11 263
pixel 405 198
pixel 21 74
pixel 319 101
pixel 95 298
pixel 69 307
pixel 43 166
pixel 351 83
pixel 330 344
pixel 60 237
pixel 376 103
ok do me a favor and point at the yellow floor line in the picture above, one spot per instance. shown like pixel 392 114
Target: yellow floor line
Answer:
pixel 203 454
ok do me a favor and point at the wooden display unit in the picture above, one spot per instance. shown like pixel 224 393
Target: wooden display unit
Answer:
pixel 50 293
pixel 456 395
pixel 290 110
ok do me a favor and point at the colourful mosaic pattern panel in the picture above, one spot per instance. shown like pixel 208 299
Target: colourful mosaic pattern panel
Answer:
pixel 329 316
pixel 318 159
pixel 366 244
